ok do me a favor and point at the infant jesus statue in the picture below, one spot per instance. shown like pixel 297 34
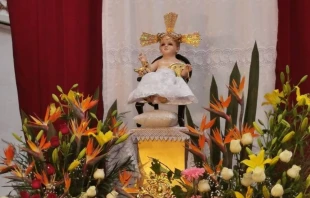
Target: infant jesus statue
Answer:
pixel 164 81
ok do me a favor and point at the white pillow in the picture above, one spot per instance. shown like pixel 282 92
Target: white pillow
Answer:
pixel 157 118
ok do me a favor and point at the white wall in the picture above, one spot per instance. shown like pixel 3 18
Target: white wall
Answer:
pixel 9 109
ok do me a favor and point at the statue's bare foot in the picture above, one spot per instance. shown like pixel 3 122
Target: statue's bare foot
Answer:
pixel 150 99
pixel 162 99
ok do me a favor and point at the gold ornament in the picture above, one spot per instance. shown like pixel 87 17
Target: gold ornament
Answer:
pixel 170 21
pixel 178 68
pixel 157 186
pixel 143 69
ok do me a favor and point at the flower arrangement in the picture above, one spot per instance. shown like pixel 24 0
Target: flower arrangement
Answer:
pixel 233 167
pixel 65 153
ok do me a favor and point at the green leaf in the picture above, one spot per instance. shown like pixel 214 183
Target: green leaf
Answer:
pixel 59 89
pixel 177 173
pixel 39 135
pixel 169 175
pixel 189 119
pixel 215 152
pixel 155 166
pixel 251 104
pixel 25 118
pixel 178 192
pixel 93 110
pixel 287 69
pixel 51 131
pixel 17 137
pixel 93 115
pixel 105 127
pixel 232 109
pixel 282 77
pixel 74 86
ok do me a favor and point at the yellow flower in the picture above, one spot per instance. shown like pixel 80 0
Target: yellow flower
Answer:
pixel 78 103
pixel 21 173
pixel 37 150
pixel 288 137
pixel 103 138
pixel 274 160
pixel 301 99
pixel 122 138
pixel 51 115
pixel 92 155
pixel 81 129
pixel 238 195
pixel 273 98
pixel 256 161
pixel 73 165
pixel 249 193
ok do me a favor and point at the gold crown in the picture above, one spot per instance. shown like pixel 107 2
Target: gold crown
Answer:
pixel 170 21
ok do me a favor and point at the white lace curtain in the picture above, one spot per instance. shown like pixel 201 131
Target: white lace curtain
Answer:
pixel 228 29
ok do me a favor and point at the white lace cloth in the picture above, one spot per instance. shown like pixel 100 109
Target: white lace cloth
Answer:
pixel 163 83
pixel 228 29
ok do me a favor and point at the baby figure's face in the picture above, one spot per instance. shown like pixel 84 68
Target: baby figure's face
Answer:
pixel 168 46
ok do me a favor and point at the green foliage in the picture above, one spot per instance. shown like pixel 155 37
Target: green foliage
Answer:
pixel 251 104
pixel 189 119
pixel 232 110
pixel 215 151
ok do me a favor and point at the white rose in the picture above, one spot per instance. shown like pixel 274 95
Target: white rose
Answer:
pixel 227 173
pixel 286 156
pixel 99 174
pixel 247 179
pixel 112 194
pixel 91 191
pixel 277 190
pixel 247 139
pixel 83 195
pixel 203 186
pixel 258 175
pixel 294 171
pixel 235 146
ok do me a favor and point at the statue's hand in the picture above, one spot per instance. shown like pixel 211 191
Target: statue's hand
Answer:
pixel 142 71
pixel 188 68
pixel 142 57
